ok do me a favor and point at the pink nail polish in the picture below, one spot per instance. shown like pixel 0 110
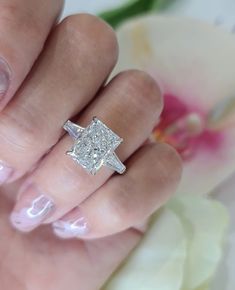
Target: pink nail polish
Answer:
pixel 5 172
pixel 71 227
pixel 31 210
pixel 4 77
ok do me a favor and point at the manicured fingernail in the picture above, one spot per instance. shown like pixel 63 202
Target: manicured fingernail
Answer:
pixel 31 210
pixel 5 172
pixel 70 227
pixel 4 77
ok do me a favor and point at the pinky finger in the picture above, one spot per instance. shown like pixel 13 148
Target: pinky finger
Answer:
pixel 125 201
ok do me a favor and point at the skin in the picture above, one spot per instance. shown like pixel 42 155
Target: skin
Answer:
pixel 66 78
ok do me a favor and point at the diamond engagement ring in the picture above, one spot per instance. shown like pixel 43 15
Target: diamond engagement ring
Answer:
pixel 94 146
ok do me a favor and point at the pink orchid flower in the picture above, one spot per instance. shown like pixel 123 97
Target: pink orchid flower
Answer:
pixel 194 63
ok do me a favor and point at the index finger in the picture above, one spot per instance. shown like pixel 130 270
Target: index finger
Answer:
pixel 24 26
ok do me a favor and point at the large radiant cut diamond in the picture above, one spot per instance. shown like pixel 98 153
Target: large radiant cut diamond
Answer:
pixel 95 147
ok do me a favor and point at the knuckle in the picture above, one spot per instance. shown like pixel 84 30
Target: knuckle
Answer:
pixel 121 209
pixel 173 157
pixel 143 89
pixel 22 130
pixel 8 10
pixel 85 32
pixel 120 217
pixel 25 19
pixel 169 163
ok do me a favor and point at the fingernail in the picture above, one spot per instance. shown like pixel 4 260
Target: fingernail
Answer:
pixel 4 77
pixel 70 227
pixel 31 210
pixel 5 172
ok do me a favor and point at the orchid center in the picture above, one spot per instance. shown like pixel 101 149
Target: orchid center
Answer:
pixel 185 128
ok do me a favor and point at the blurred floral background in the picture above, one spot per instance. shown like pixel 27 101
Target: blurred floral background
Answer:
pixel 188 46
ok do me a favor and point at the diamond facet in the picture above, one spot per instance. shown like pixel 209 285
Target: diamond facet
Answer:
pixel 94 145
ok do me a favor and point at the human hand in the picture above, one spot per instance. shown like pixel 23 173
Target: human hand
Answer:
pixel 105 211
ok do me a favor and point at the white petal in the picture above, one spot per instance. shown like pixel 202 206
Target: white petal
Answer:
pixel 158 261
pixel 206 222
pixel 191 59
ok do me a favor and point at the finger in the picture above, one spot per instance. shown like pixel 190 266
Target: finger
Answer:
pixel 72 67
pixel 129 105
pixel 66 263
pixel 125 201
pixel 24 26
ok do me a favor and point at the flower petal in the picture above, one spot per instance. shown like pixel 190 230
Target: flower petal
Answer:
pixel 210 166
pixel 206 222
pixel 195 62
pixel 191 59
pixel 158 261
pixel 180 251
pixel 225 278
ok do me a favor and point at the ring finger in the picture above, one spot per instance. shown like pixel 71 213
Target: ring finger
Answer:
pixel 125 201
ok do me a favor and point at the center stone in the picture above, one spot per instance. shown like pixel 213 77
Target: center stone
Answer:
pixel 92 146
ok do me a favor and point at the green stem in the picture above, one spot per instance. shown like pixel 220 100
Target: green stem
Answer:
pixel 132 8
